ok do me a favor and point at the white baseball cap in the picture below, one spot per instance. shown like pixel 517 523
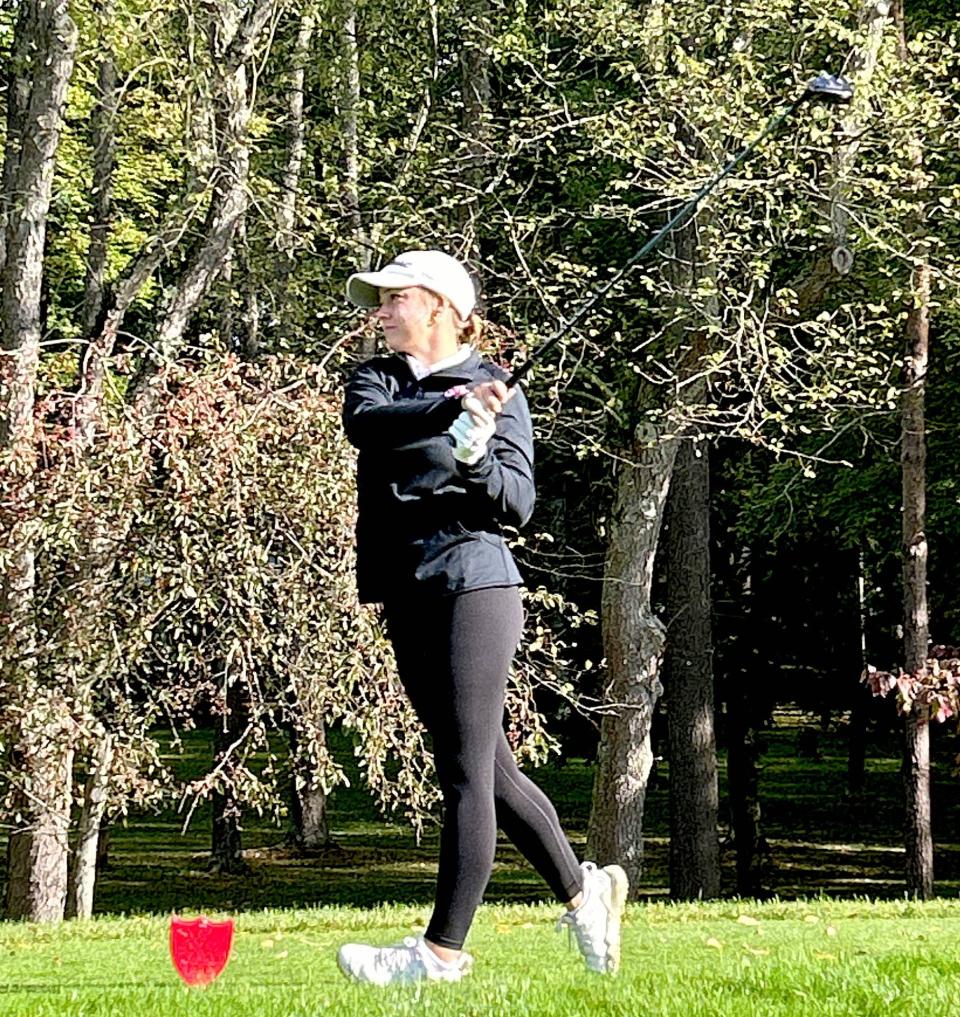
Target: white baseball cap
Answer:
pixel 433 270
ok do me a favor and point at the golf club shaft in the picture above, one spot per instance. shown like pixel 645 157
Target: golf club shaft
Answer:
pixel 676 220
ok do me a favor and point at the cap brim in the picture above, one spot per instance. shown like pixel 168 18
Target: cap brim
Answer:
pixel 363 288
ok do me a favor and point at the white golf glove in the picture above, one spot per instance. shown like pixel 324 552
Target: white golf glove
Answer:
pixel 471 431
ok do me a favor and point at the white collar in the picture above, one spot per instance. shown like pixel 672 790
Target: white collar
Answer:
pixel 421 370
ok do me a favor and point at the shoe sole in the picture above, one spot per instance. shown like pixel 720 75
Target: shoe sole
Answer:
pixel 466 964
pixel 344 968
pixel 615 900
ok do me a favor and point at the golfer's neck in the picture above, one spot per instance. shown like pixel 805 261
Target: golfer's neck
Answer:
pixel 436 345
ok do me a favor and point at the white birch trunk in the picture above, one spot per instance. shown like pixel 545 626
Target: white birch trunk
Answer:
pixel 95 800
pixel 290 185
pixel 43 55
pixel 234 42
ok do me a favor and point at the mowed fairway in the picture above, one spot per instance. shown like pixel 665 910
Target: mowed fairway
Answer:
pixel 733 958
pixel 811 955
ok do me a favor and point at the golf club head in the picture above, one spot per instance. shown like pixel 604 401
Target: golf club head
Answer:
pixel 829 88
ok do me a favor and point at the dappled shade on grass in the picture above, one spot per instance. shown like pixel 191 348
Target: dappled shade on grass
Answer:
pixel 822 840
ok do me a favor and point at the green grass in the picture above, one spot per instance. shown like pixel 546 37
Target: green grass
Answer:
pixel 823 841
pixel 825 956
pixel 737 958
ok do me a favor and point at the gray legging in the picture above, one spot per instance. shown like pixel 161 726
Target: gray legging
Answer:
pixel 453 655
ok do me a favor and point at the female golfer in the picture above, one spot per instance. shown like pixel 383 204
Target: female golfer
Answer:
pixel 445 461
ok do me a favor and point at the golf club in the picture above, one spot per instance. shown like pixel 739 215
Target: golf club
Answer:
pixel 827 88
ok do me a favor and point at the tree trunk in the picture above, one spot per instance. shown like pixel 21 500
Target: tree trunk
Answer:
pixel 103 143
pixel 349 106
pixel 633 640
pixel 93 580
pixel 694 846
pixel 836 260
pixel 633 637
pixel 296 135
pixel 227 322
pixel 350 192
pixel 87 853
pixel 311 831
pixel 475 78
pixel 916 763
pixel 226 848
pixel 916 620
pixel 857 742
pixel 239 289
pixel 366 237
pixel 201 128
pixel 308 812
pixel 226 839
pixel 103 847
pixel 226 211
pixel 859 710
pixel 249 338
pixel 743 791
pixel 233 44
pixel 41 65
pixel 37 852
pixel 93 361
pixel 744 713
pixel 100 345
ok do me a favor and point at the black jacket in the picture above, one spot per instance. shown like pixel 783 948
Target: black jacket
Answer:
pixel 428 523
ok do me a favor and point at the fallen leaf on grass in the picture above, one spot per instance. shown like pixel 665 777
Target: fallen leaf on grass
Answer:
pixel 831 931
pixel 820 955
pixel 714 943
pixel 759 951
pixel 811 919
pixel 747 920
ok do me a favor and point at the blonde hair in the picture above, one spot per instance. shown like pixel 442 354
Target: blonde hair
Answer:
pixel 489 340
pixel 472 329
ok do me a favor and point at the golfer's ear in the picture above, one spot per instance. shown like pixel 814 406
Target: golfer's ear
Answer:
pixel 473 330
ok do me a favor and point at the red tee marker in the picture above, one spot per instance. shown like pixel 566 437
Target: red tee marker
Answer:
pixel 200 948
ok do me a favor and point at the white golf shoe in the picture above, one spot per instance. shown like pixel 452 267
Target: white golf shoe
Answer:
pixel 596 921
pixel 400 964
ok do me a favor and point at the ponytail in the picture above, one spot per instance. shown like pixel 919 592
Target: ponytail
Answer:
pixel 492 341
pixel 471 331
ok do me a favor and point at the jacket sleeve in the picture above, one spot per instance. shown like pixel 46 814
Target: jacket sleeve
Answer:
pixel 505 474
pixel 374 420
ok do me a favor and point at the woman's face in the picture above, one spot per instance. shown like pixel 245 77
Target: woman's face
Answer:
pixel 405 317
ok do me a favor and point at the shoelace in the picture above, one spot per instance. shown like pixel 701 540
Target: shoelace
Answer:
pixel 575 930
pixel 399 956
pixel 565 921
